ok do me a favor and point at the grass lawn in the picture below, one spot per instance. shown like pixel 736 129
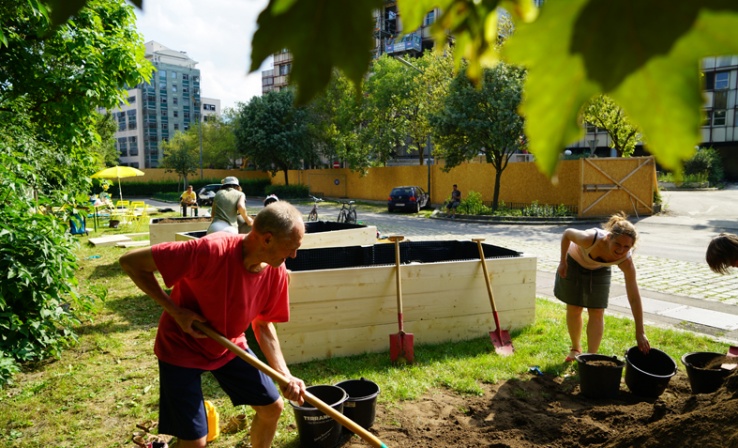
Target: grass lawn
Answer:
pixel 97 392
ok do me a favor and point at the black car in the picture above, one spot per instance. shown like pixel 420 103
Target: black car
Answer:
pixel 206 194
pixel 410 198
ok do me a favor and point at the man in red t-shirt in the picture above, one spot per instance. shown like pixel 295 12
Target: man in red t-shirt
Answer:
pixel 231 282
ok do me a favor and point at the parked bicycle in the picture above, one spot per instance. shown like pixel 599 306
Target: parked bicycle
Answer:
pixel 313 216
pixel 347 213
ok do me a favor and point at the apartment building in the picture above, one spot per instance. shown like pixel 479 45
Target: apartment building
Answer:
pixel 155 111
pixel 389 38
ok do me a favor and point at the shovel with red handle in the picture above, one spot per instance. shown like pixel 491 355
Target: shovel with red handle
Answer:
pixel 401 343
pixel 500 338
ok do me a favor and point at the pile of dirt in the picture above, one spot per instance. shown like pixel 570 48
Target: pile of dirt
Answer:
pixel 548 411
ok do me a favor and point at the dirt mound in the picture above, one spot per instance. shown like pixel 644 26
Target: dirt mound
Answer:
pixel 546 411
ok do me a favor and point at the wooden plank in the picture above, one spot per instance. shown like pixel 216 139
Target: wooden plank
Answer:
pixel 362 236
pixel 108 240
pixel 299 346
pixel 141 243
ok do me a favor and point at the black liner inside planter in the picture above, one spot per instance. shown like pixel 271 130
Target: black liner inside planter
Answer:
pixel 383 254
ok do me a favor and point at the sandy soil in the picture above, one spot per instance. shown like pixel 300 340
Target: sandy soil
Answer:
pixel 546 411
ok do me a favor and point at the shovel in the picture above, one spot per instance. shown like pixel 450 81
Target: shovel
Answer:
pixel 401 343
pixel 500 339
pixel 282 380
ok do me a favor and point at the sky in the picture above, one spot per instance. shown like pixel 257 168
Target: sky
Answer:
pixel 216 34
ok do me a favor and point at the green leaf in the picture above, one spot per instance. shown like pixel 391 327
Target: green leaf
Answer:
pixel 649 67
pixel 61 10
pixel 321 35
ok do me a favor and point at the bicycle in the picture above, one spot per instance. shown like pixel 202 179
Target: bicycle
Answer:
pixel 347 213
pixel 313 216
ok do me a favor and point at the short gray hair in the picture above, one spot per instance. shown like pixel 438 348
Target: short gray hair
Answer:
pixel 279 219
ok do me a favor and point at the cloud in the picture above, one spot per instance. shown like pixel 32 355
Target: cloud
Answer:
pixel 215 33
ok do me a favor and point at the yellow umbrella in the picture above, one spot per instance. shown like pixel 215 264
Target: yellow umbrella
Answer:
pixel 118 172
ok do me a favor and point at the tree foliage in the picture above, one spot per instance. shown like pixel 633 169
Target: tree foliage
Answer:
pixel 273 133
pixel 482 120
pixel 181 154
pixel 53 79
pixel 605 114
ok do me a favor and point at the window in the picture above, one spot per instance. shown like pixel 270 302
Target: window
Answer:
pixel 163 75
pixel 175 100
pixel 185 76
pixel 284 69
pixel 176 126
pixel 174 75
pixel 163 100
pixel 132 146
pixel 131 100
pixel 208 107
pixel 718 117
pixel 721 80
pixel 175 113
pixel 429 18
pixel 174 88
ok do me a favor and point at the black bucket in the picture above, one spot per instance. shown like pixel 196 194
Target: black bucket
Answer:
pixel 316 429
pixel 702 379
pixel 362 400
pixel 648 375
pixel 599 375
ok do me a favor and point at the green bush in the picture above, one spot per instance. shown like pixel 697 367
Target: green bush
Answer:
pixel 472 204
pixel 706 162
pixel 298 191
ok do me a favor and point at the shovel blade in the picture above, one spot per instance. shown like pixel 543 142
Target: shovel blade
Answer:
pixel 502 342
pixel 401 347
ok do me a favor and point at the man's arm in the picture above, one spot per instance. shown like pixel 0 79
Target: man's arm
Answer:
pixel 140 266
pixel 266 335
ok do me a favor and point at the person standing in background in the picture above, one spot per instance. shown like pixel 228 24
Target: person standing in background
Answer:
pixel 228 204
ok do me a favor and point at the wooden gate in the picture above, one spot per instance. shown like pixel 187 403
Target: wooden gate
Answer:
pixel 625 184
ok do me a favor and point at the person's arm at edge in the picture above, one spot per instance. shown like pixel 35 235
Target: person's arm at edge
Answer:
pixel 266 336
pixel 140 266
pixel 242 211
pixel 636 305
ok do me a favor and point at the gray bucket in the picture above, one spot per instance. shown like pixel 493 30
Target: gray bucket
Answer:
pixel 316 429
pixel 362 400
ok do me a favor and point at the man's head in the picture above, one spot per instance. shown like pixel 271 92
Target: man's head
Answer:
pixel 189 188
pixel 455 186
pixel 280 228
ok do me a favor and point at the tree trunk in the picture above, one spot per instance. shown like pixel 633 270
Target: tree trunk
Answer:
pixel 286 177
pixel 496 195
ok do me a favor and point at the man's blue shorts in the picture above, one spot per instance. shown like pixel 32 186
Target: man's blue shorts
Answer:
pixel 181 405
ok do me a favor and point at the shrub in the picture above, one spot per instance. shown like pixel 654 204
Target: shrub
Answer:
pixel 473 205
pixel 705 162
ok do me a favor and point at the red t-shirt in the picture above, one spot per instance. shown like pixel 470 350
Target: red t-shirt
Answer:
pixel 207 276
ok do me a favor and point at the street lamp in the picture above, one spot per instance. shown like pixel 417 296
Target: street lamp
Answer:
pixel 428 159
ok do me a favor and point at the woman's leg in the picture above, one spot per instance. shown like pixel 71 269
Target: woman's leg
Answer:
pixel 595 328
pixel 574 325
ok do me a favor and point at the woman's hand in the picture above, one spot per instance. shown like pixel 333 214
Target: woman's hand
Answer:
pixel 643 345
pixel 294 390
pixel 562 269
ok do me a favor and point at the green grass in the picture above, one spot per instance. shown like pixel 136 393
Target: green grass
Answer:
pixel 97 392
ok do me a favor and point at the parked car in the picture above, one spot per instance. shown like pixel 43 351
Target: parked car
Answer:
pixel 411 198
pixel 206 194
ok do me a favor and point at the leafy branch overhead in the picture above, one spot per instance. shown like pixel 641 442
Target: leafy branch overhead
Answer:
pixel 644 54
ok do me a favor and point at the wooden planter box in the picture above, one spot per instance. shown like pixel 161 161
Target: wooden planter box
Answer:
pixel 319 234
pixel 343 301
pixel 165 229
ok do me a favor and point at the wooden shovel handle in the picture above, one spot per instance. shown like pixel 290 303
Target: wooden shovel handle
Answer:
pixel 486 274
pixel 396 239
pixel 283 381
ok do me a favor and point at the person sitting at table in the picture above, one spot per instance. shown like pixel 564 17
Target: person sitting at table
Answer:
pixel 188 198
